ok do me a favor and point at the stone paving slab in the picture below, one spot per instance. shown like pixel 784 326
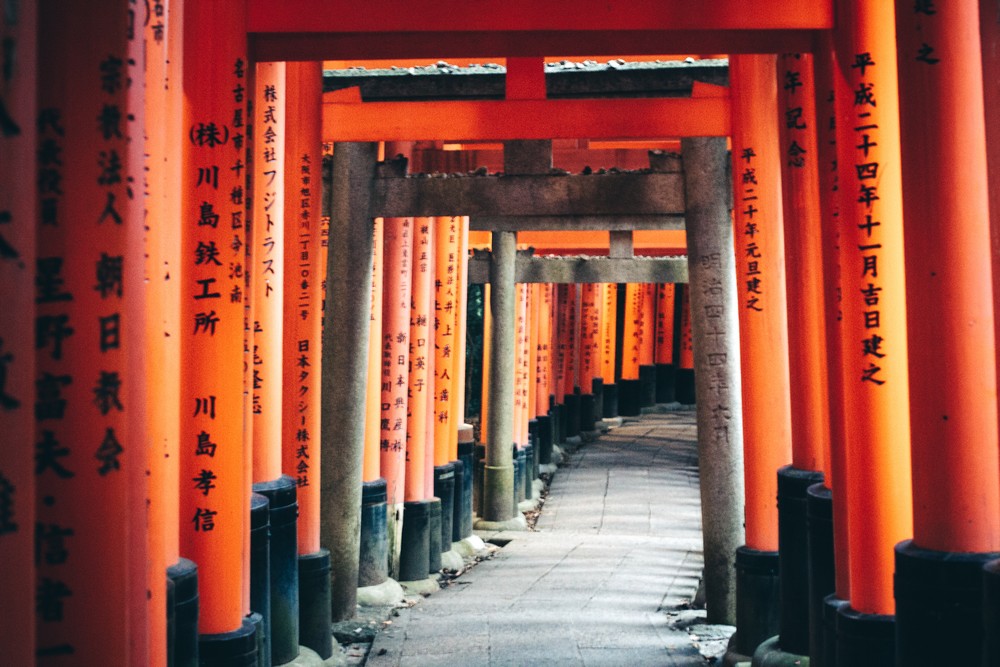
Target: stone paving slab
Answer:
pixel 615 554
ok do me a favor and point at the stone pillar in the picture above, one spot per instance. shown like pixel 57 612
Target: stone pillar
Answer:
pixel 712 275
pixel 345 365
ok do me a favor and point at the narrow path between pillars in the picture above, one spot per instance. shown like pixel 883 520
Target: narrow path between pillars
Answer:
pixel 607 578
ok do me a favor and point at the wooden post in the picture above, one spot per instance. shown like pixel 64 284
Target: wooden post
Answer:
pixel 666 307
pixel 609 346
pixel 760 273
pixel 82 455
pixel 876 386
pixel 950 319
pixel 19 200
pixel 685 355
pixel 421 347
pixel 628 386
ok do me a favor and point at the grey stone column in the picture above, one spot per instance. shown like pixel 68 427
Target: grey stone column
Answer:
pixel 498 476
pixel 345 365
pixel 714 324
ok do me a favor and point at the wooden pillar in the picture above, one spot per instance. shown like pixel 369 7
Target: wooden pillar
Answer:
pixel 347 319
pixel 760 273
pixel 445 309
pixel 876 388
pixel 589 337
pixel 421 385
pixel 560 328
pixel 806 346
pixel 81 458
pixel 461 327
pixel 214 499
pixel 534 297
pixel 666 308
pixel 950 320
pixel 19 199
pixel 373 391
pixel 685 352
pixel 823 640
pixel 647 344
pixel 629 384
pixel 267 268
pixel 804 262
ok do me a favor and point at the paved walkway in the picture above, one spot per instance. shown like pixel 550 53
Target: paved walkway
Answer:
pixel 615 558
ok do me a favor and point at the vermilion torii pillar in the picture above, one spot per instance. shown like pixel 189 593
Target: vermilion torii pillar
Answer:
pixel 559 328
pixel 394 346
pixel 685 355
pixel 628 383
pixel 953 412
pixel 214 497
pixel 302 343
pixel 571 363
pixel 543 375
pixel 876 387
pixel 665 312
pixel 590 348
pixel 806 344
pixel 609 345
pixel 760 275
pixel 18 214
pixel 81 452
pixel 829 586
pixel 647 346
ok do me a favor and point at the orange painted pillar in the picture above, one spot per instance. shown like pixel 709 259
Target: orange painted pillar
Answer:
pixel 521 367
pixel 214 496
pixel 81 456
pixel 806 344
pixel 19 172
pixel 461 328
pixel 303 296
pixel 543 375
pixel 445 310
pixel 589 352
pixel 804 263
pixel 559 328
pixel 953 410
pixel 571 362
pixel 760 275
pixel 685 353
pixel 267 269
pixel 824 638
pixel 629 384
pixel 394 345
pixel 609 348
pixel 137 302
pixel 421 383
pixel 484 403
pixel 876 387
pixel 534 296
pixel 666 298
pixel 373 412
pixel 647 344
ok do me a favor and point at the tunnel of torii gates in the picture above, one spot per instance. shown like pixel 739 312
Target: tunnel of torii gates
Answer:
pixel 225 425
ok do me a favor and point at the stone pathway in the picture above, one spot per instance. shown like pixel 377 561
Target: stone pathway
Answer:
pixel 606 579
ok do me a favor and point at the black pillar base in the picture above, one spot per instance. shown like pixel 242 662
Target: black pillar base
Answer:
pixel 597 389
pixel 822 582
pixel 558 412
pixel 793 548
pixel 284 564
pixel 758 607
pixel 518 458
pixel 571 410
pixel 373 560
pixel 685 386
pixel 479 454
pixel 939 599
pixel 529 470
pixel 628 398
pixel 444 489
pixel 865 640
pixel 991 613
pixel 456 505
pixel 544 439
pixel 587 413
pixel 315 612
pixel 414 548
pixel 260 572
pixel 229 649
pixel 831 611
pixel 182 634
pixel 647 386
pixel 466 455
pixel 610 401
pixel 434 536
pixel 666 391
